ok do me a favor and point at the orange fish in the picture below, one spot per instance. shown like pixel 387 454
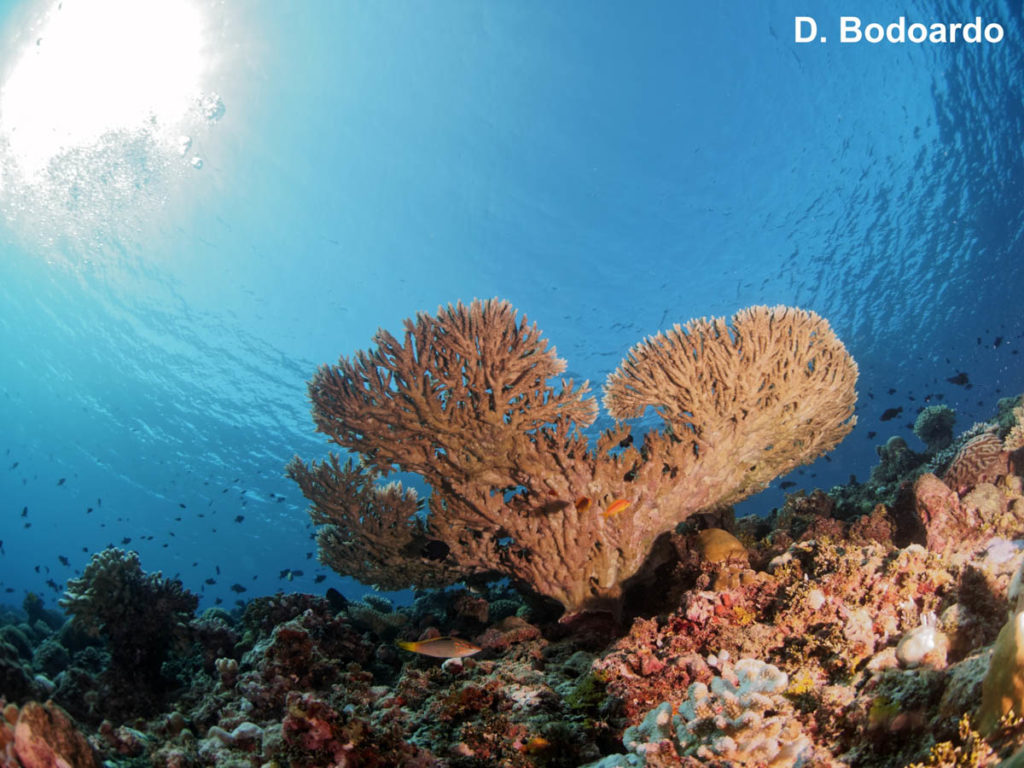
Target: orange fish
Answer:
pixel 582 504
pixel 441 647
pixel 616 506
pixel 535 745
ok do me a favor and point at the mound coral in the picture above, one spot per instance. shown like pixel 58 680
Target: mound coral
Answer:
pixel 934 425
pixel 740 719
pixel 139 615
pixel 465 401
pixel 981 459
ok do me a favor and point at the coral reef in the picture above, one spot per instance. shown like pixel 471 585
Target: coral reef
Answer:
pixel 139 615
pixel 465 402
pixel 890 639
pixel 934 425
pixel 741 718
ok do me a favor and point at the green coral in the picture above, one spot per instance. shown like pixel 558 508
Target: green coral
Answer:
pixel 934 425
pixel 588 694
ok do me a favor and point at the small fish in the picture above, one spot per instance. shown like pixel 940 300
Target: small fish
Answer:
pixel 319 577
pixel 14 465
pixel 434 549
pixel 615 507
pixel 211 581
pixel 441 647
pixel 960 380
pixel 535 745
pixel 786 484
pixel 239 518
pixel 583 504
pixel 238 588
pixel 62 481
pixel 24 511
pixel 890 413
pixel 552 507
pixel 126 540
pixel 63 560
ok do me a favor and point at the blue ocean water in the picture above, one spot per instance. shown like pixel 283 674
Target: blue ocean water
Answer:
pixel 609 168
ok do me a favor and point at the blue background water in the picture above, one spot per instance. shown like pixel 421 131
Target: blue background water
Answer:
pixel 610 168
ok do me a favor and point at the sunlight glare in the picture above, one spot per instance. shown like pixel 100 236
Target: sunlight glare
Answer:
pixel 100 66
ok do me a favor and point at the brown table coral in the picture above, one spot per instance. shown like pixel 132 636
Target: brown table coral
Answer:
pixel 465 400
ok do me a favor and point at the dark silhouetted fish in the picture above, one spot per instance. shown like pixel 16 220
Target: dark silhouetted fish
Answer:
pixel 960 380
pixel 211 581
pixel 239 518
pixel 786 484
pixel 63 560
pixel 435 550
pixel 238 588
pixel 319 577
pixel 126 540
pixel 335 599
pixel 62 481
pixel 891 413
pixel 14 465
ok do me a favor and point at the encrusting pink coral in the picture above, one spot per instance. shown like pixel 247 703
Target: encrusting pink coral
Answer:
pixel 464 401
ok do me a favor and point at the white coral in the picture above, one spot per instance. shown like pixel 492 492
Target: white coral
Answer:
pixel 754 723
pixel 741 717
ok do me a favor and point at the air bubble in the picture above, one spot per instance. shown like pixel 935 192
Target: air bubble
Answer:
pixel 211 106
pixel 197 162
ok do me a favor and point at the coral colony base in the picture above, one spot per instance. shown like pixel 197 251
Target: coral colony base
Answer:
pixel 637 622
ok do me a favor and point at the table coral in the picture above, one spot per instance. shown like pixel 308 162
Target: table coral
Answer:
pixel 465 401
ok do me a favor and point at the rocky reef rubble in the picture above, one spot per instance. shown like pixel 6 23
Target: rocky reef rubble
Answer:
pixel 875 624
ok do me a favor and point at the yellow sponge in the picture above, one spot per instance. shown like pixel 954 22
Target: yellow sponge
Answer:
pixel 1003 686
